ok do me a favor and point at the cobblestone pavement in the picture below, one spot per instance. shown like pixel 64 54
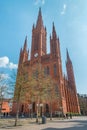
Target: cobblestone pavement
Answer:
pixel 77 123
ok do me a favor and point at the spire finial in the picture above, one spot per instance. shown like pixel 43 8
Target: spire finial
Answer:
pixel 39 20
pixel 53 27
pixel 68 58
pixel 25 43
pixel 20 50
pixel 39 10
pixel 54 31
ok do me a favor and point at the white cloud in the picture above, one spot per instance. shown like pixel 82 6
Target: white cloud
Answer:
pixel 64 9
pixel 5 63
pixel 4 76
pixel 13 66
pixel 39 2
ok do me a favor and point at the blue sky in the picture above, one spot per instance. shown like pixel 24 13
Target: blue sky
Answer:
pixel 70 18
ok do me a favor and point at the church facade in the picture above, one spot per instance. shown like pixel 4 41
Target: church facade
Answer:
pixel 53 64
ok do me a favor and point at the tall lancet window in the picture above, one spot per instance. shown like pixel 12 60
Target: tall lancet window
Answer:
pixel 46 70
pixel 55 70
pixel 36 41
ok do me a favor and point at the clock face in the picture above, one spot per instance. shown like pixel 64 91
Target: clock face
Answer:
pixel 36 54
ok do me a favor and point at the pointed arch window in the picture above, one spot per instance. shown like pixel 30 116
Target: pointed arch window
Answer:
pixel 36 42
pixel 56 90
pixel 55 70
pixel 46 70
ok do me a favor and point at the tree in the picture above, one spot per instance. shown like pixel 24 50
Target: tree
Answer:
pixel 83 103
pixel 3 89
pixel 17 83
pixel 19 93
pixel 52 92
pixel 33 86
pixel 40 87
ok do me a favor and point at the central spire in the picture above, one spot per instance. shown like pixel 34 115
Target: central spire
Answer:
pixel 39 20
pixel 68 57
pixel 54 32
pixel 25 44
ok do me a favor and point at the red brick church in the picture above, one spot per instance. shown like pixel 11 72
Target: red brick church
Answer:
pixel 52 63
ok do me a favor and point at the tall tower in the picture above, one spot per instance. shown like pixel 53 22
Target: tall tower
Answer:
pixel 70 72
pixel 24 53
pixel 67 100
pixel 55 51
pixel 72 86
pixel 38 47
pixel 57 68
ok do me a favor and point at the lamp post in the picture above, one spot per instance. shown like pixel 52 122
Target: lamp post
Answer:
pixel 61 109
pixel 30 108
pixel 39 111
pixel 41 105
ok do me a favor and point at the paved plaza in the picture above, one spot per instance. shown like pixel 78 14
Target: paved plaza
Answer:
pixel 77 123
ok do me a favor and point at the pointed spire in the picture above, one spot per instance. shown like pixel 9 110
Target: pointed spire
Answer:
pixel 68 57
pixel 45 28
pixel 20 57
pixel 21 50
pixel 53 27
pixel 54 31
pixel 28 51
pixel 39 20
pixel 25 44
pixel 67 54
pixel 39 11
pixel 33 26
pixel 50 36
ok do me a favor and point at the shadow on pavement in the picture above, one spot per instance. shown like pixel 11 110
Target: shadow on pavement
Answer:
pixel 82 125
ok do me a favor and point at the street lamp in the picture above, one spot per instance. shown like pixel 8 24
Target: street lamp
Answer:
pixel 61 110
pixel 41 105
pixel 37 113
pixel 30 108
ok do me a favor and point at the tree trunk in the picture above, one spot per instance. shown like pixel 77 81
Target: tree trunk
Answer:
pixel 37 115
pixel 17 114
pixel 50 110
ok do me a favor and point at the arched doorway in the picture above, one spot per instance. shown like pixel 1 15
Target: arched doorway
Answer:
pixel 47 108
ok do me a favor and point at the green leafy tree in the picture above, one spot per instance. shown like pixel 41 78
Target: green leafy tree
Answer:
pixel 19 93
pixel 17 82
pixel 40 87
